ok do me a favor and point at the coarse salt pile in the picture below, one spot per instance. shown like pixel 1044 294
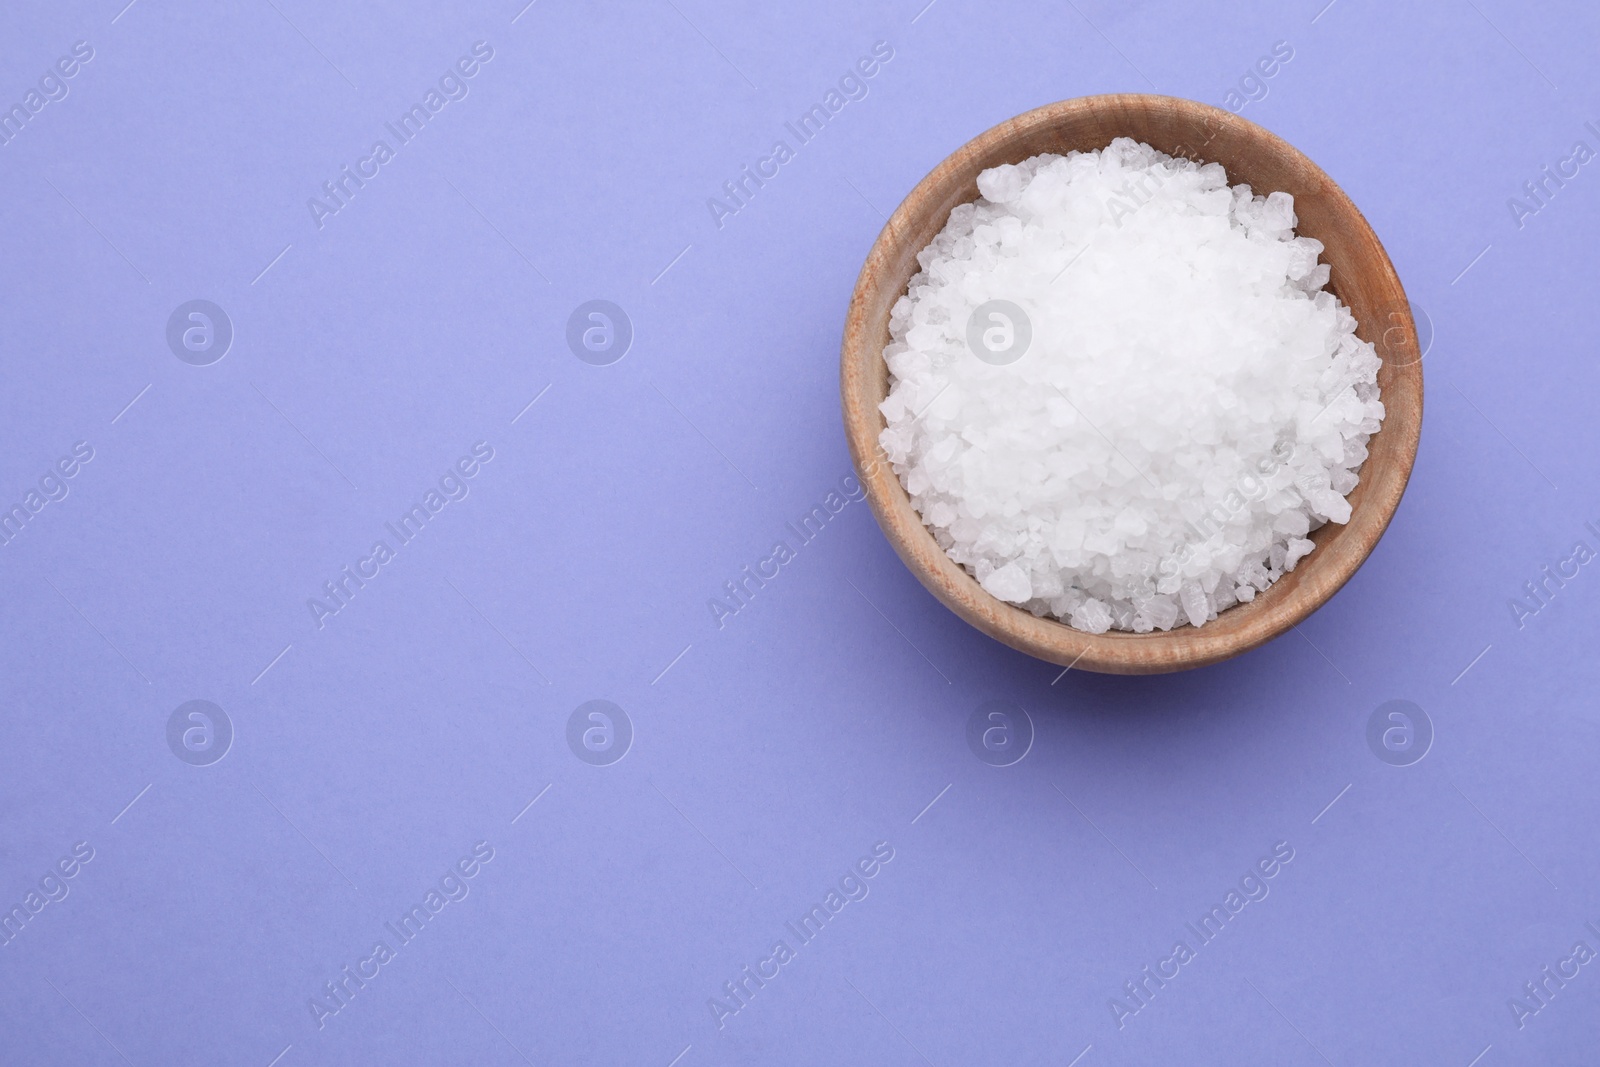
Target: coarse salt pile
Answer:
pixel 1162 408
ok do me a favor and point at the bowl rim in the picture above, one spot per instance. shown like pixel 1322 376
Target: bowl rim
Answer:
pixel 1272 613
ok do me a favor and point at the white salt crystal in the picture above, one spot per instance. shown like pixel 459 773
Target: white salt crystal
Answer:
pixel 1009 583
pixel 1093 616
pixel 1298 548
pixel 1161 611
pixel 1190 407
pixel 1193 599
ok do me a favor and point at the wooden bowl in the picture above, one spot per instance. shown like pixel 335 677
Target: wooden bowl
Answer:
pixel 1363 279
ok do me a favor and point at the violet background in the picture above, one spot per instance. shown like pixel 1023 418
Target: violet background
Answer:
pixel 770 754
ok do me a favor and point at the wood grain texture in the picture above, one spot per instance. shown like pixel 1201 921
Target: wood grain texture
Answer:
pixel 1363 279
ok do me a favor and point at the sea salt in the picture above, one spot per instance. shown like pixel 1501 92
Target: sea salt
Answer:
pixel 1120 395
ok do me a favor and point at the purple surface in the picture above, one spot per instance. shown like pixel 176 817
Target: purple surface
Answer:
pixel 373 748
